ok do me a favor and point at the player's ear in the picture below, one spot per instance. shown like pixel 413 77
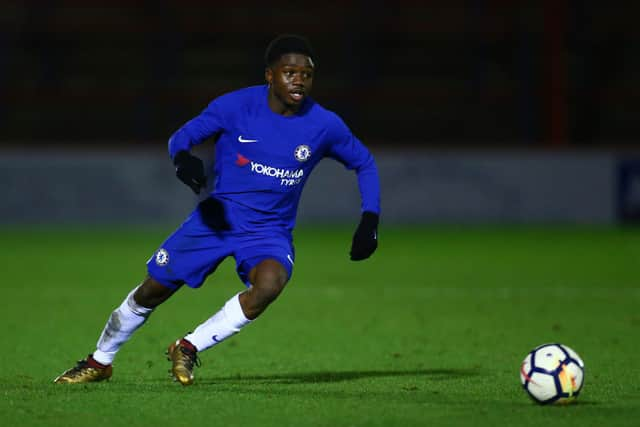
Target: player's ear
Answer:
pixel 268 75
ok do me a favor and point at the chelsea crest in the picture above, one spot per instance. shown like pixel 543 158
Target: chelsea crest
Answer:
pixel 302 153
pixel 162 257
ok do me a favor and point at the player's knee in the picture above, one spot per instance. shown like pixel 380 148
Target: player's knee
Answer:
pixel 269 281
pixel 268 286
pixel 151 293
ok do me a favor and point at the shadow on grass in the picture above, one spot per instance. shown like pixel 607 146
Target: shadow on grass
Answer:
pixel 334 377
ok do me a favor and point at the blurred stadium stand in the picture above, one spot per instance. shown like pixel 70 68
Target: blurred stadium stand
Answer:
pixel 430 73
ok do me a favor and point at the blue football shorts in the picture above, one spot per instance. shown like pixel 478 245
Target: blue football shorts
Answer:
pixel 194 251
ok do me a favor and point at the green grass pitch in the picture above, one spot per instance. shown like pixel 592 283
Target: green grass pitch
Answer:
pixel 430 331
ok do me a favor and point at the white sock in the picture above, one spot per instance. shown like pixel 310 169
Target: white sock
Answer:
pixel 122 323
pixel 225 323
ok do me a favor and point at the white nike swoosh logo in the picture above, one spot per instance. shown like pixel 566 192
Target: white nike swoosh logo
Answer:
pixel 244 141
pixel 289 258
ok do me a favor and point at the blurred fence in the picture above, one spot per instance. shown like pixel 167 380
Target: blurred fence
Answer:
pixel 73 187
pixel 447 72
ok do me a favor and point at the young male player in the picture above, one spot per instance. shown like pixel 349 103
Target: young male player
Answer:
pixel 269 138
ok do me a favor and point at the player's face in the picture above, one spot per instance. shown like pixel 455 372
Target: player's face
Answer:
pixel 290 79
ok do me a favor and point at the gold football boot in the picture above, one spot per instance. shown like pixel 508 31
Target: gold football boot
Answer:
pixel 184 357
pixel 85 371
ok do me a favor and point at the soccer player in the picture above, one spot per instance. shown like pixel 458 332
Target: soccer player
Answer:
pixel 268 140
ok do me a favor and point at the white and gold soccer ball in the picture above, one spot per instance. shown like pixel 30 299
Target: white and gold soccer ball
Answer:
pixel 552 373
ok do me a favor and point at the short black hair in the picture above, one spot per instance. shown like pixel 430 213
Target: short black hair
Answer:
pixel 288 43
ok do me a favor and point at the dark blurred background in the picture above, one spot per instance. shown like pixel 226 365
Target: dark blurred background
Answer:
pixel 434 73
pixel 477 110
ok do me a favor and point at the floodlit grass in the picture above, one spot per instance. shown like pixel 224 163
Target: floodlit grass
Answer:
pixel 430 331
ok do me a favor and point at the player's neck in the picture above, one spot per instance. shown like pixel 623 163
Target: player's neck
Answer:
pixel 279 107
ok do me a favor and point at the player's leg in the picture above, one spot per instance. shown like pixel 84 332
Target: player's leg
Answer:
pixel 129 316
pixel 268 278
pixel 122 323
pixel 152 293
pixel 187 256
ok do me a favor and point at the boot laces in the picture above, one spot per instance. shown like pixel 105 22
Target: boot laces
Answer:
pixel 190 358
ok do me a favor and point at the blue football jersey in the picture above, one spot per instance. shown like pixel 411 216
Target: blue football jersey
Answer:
pixel 263 159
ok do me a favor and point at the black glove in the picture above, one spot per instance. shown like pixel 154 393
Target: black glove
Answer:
pixel 365 239
pixel 190 170
pixel 212 212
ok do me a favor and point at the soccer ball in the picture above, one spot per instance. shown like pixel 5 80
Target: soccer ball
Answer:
pixel 552 373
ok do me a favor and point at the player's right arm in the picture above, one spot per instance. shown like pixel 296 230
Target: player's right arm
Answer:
pixel 189 168
pixel 198 129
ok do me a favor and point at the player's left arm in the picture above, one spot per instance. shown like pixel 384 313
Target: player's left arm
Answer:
pixel 348 150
